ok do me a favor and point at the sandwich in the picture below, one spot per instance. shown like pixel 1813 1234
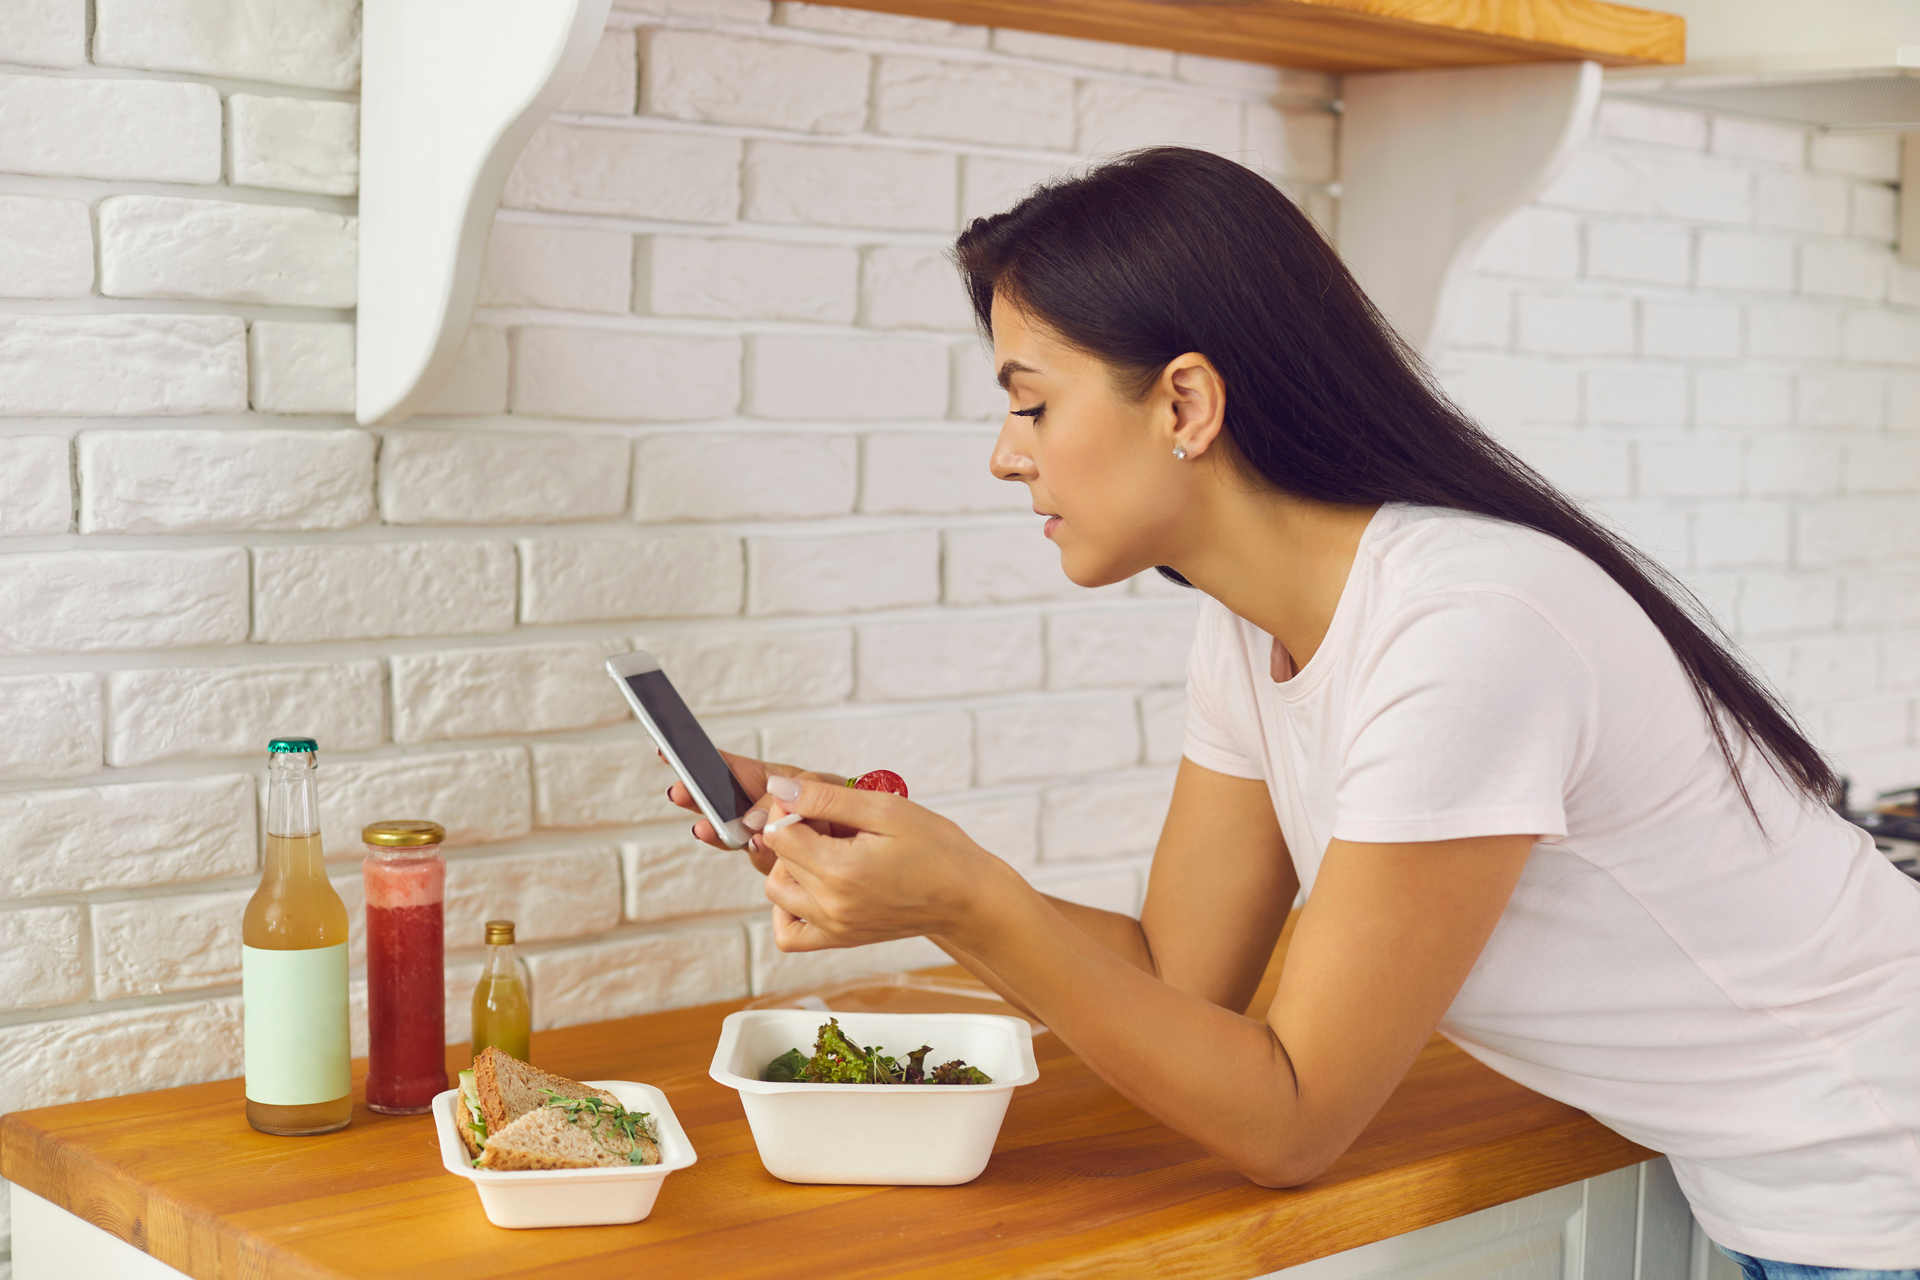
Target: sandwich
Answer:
pixel 512 1115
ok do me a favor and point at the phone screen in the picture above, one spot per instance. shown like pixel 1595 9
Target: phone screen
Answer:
pixel 690 742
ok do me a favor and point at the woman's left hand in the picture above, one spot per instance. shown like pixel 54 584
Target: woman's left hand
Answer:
pixel 904 872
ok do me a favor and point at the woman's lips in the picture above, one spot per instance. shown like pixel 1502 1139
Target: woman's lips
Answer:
pixel 1053 522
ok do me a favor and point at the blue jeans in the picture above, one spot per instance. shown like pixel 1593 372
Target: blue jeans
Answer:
pixel 1761 1269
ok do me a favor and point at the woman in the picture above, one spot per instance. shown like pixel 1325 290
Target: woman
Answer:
pixel 1536 802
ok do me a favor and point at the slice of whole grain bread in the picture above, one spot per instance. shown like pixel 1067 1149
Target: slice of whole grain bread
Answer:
pixel 551 1138
pixel 509 1088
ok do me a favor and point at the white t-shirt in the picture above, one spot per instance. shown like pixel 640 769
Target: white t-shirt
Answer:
pixel 1747 1003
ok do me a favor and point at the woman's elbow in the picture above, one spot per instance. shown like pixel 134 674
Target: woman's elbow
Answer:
pixel 1279 1169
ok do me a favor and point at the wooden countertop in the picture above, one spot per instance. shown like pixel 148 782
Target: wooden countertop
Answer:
pixel 1081 1182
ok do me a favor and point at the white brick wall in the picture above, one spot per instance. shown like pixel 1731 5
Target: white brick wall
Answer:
pixel 36 485
pixel 1737 326
pixel 612 782
pixel 294 144
pixel 794 376
pixel 590 579
pixel 731 279
pixel 912 661
pixel 722 401
pixel 848 573
pixel 848 186
pixel 300 368
pixel 108 365
pixel 86 600
pixel 578 169
pixel 167 481
pixel 303 42
pixel 558 267
pixel 715 476
pixel 561 893
pixel 935 472
pixel 974 102
pixel 356 590
pixel 72 839
pixel 40 962
pixel 120 130
pixel 53 725
pixel 611 79
pixel 49 248
pixel 564 373
pixel 47 33
pixel 764 670
pixel 220 251
pixel 473 693
pixel 473 477
pixel 724 79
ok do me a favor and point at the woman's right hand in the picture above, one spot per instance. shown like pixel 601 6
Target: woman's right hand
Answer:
pixel 752 775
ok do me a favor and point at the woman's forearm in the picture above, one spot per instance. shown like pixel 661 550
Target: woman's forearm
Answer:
pixel 1118 933
pixel 1221 1078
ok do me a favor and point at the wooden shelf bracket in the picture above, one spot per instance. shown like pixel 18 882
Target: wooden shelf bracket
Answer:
pixel 450 92
pixel 1432 161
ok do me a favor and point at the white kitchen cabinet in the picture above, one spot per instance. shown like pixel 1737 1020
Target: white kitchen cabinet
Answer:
pixel 1629 1225
pixel 1632 1224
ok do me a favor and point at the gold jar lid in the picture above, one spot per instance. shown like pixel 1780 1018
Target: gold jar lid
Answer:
pixel 407 833
pixel 499 933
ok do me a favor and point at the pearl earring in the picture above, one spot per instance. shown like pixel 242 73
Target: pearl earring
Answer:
pixel 1180 452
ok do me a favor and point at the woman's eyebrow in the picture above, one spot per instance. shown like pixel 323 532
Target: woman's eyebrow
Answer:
pixel 1010 368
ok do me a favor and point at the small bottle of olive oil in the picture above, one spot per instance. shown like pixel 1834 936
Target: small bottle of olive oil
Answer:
pixel 503 1002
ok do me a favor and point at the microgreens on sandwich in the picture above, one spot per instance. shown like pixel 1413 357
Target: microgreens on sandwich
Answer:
pixel 591 1111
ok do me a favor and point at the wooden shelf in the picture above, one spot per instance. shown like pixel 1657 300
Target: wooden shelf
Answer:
pixel 1341 35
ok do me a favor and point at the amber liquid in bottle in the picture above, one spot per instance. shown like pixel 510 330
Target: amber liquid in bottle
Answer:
pixel 503 1002
pixel 295 909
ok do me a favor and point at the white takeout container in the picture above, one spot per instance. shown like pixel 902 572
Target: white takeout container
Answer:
pixel 571 1197
pixel 892 1135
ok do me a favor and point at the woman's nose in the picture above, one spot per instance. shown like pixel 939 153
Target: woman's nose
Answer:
pixel 1009 462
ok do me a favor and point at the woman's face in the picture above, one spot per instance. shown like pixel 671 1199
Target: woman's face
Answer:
pixel 1099 465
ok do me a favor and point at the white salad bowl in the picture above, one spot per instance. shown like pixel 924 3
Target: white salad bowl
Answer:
pixel 890 1135
pixel 571 1197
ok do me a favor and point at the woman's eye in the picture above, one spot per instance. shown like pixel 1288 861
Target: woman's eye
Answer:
pixel 1033 413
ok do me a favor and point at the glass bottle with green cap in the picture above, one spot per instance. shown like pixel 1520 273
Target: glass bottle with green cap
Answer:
pixel 294 964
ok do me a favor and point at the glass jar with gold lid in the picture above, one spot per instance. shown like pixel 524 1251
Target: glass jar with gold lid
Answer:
pixel 405 879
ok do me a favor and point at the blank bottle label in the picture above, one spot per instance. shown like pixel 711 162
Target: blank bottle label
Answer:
pixel 296 1025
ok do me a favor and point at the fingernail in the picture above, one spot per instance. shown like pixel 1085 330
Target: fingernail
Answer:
pixel 787 789
pixel 781 824
pixel 754 819
pixel 669 791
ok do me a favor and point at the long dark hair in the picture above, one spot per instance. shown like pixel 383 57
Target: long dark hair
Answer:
pixel 1170 250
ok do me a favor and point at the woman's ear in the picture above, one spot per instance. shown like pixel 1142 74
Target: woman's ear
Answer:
pixel 1197 395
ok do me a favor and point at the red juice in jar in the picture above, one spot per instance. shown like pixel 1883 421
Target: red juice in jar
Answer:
pixel 405 880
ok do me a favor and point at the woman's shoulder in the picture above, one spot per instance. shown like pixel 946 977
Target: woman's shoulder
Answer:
pixel 1420 551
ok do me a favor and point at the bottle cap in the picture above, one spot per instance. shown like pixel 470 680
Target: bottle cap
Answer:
pixel 281 746
pixel 408 833
pixel 499 933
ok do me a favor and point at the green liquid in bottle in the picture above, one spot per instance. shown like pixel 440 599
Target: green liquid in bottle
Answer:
pixel 503 1002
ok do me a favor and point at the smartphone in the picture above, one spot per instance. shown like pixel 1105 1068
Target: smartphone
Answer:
pixel 684 743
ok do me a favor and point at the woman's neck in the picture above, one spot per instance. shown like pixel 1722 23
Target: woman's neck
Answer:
pixel 1277 561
